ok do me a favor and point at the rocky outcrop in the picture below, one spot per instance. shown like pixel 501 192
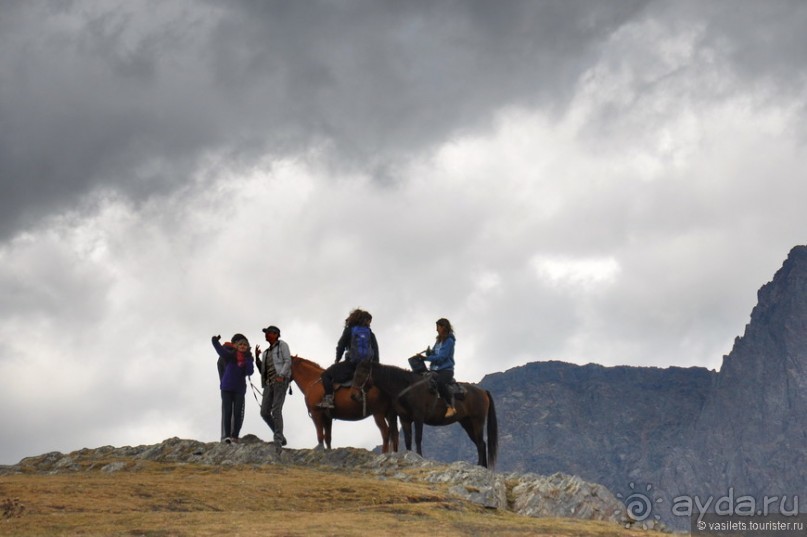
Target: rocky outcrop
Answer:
pixel 530 495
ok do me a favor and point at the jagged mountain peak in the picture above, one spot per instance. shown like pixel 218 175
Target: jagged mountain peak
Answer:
pixel 786 294
pixel 774 345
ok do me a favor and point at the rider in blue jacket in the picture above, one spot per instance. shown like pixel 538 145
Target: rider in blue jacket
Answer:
pixel 442 363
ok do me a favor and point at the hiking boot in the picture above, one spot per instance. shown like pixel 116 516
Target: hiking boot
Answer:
pixel 450 412
pixel 327 402
pixel 227 440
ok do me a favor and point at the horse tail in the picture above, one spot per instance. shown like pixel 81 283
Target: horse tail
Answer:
pixel 493 433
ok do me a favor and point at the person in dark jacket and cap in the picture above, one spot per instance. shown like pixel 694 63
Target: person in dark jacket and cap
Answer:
pixel 275 368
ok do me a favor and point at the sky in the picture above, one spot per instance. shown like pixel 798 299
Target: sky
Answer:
pixel 594 182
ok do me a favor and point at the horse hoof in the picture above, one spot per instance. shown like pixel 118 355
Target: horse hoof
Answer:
pixel 319 447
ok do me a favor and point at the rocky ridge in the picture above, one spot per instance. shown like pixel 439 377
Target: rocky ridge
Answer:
pixel 557 495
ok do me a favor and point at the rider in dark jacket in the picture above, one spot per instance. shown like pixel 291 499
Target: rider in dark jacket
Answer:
pixel 343 371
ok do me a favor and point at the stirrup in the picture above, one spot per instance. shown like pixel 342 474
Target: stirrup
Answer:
pixel 327 402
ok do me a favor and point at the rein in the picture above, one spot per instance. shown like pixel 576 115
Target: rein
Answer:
pixel 363 389
pixel 411 386
pixel 255 392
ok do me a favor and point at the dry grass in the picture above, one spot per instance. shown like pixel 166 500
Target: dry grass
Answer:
pixel 160 500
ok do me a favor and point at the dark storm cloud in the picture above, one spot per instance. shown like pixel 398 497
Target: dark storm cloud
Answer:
pixel 132 97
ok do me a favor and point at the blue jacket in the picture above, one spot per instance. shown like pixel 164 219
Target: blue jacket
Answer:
pixel 442 355
pixel 234 378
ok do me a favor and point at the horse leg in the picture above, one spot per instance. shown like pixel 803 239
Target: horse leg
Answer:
pixel 316 417
pixel 328 422
pixel 406 425
pixel 381 423
pixel 419 436
pixel 392 423
pixel 477 437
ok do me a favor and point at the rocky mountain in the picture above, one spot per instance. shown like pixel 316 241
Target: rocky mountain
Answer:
pixel 667 436
pixel 750 439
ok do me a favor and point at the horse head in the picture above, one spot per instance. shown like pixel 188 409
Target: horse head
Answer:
pixel 362 380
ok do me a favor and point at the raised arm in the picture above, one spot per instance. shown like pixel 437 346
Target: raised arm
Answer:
pixel 222 351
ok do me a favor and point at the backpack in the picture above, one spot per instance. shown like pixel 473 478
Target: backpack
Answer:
pixel 360 347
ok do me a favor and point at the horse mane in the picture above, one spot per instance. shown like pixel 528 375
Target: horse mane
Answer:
pixel 309 362
pixel 394 373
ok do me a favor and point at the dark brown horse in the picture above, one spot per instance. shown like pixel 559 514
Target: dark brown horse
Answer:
pixel 307 376
pixel 415 403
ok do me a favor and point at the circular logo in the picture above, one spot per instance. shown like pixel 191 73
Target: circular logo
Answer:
pixel 639 505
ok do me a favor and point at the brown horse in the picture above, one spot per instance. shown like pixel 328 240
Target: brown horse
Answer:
pixel 415 403
pixel 307 376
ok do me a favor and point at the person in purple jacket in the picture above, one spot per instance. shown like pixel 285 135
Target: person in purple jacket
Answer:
pixel 235 365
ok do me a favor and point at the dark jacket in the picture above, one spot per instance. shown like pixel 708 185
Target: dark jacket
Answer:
pixel 234 378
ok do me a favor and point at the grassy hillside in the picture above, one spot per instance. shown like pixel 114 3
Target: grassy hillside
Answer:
pixel 161 499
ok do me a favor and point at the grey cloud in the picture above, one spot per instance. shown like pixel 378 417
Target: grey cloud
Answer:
pixel 130 99
pixel 764 41
pixel 155 102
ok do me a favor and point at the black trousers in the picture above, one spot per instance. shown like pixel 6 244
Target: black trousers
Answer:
pixel 338 372
pixel 232 413
pixel 445 378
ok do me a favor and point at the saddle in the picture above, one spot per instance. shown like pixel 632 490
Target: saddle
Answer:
pixel 418 365
pixel 456 389
pixel 339 385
